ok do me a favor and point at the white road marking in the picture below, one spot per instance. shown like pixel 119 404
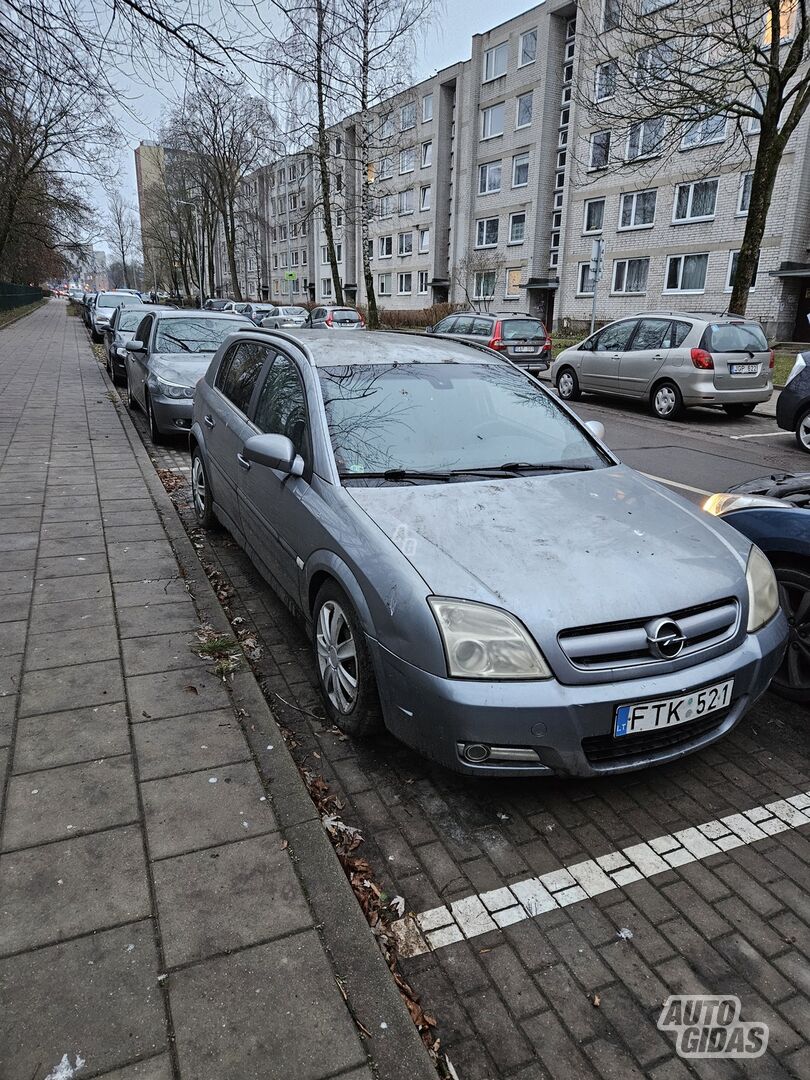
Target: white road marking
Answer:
pixel 764 435
pixel 676 484
pixel 480 913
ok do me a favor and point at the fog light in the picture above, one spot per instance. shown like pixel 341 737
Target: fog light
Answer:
pixel 476 752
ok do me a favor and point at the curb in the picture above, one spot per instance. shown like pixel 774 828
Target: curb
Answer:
pixel 395 1050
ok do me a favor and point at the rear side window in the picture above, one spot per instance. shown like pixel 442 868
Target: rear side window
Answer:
pixel 281 407
pixel 481 327
pixel 239 371
pixel 734 337
pixel 463 326
pixel 678 334
pixel 523 330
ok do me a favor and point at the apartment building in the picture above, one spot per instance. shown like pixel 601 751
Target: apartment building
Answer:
pixel 493 181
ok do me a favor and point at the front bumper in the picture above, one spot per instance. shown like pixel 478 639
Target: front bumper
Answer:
pixel 173 416
pixel 434 714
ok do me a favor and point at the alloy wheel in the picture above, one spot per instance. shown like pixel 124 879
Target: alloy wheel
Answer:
pixel 803 432
pixel 794 597
pixel 199 488
pixel 337 656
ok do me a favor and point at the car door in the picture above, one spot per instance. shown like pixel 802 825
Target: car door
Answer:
pixel 272 510
pixel 137 362
pixel 600 364
pixel 226 421
pixel 645 355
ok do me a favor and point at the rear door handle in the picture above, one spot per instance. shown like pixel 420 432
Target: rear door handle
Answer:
pixel 209 420
pixel 243 461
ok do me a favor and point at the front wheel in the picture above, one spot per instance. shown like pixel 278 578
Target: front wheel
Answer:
pixel 792 680
pixel 155 433
pixel 803 431
pixel 568 384
pixel 345 671
pixel 201 492
pixel 666 401
pixel 737 410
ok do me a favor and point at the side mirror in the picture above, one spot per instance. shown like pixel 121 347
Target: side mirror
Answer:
pixel 121 353
pixel 596 429
pixel 135 346
pixel 275 452
pixel 428 329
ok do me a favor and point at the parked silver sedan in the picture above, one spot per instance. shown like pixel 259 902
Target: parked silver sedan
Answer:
pixel 673 360
pixel 480 574
pixel 285 316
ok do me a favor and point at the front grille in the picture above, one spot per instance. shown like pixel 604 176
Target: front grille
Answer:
pixel 599 749
pixel 624 644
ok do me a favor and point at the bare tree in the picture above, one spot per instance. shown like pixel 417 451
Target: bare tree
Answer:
pixel 121 232
pixel 732 77
pixel 476 274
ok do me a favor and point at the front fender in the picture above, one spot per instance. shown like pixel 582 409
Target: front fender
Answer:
pixel 327 562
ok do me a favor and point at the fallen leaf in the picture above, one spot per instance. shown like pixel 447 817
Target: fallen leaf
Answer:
pixel 285 844
pixel 596 1001
pixel 191 689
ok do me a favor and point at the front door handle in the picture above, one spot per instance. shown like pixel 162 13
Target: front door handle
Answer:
pixel 243 461
pixel 209 420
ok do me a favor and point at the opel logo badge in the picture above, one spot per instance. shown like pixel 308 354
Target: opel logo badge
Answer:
pixel 665 638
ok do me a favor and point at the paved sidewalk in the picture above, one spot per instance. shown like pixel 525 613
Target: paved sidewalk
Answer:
pixel 169 903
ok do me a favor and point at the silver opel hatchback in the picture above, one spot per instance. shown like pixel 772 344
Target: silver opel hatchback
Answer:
pixel 480 574
pixel 673 360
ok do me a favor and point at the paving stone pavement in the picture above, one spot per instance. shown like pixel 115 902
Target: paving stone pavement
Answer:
pixel 518 1002
pixel 154 921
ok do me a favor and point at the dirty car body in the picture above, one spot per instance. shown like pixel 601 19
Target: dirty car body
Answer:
pixel 518 590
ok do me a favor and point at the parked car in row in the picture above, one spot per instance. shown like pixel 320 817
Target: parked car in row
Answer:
pixel 216 304
pixel 793 403
pixel 285 316
pixel 335 317
pixel 169 351
pixel 104 305
pixel 673 360
pixel 256 312
pixel 394 491
pixel 521 338
pixel 774 512
pixel 123 323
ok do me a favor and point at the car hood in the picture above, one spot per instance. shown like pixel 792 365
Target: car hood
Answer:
pixel 563 549
pixel 182 369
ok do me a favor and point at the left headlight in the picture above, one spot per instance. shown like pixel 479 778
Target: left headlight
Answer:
pixel 725 502
pixel 483 642
pixel 173 390
pixel 763 592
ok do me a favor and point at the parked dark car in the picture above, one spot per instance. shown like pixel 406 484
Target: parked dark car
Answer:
pixel 793 403
pixel 519 337
pixel 124 321
pixel 774 512
pixel 216 304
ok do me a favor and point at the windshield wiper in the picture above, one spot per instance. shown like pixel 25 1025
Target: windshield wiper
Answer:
pixel 177 341
pixel 396 474
pixel 528 466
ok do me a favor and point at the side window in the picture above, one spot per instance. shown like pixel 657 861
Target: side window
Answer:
pixel 144 328
pixel 481 327
pixel 446 325
pixel 652 334
pixel 281 407
pixel 463 326
pixel 615 338
pixel 677 334
pixel 239 371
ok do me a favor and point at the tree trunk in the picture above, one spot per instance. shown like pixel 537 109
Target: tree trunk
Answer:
pixel 766 166
pixel 229 229
pixel 365 199
pixel 323 154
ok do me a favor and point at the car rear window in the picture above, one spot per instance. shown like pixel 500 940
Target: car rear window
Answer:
pixel 345 314
pixel 114 299
pixel 523 330
pixel 734 337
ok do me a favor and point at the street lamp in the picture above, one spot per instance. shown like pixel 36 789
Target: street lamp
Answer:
pixel 198 230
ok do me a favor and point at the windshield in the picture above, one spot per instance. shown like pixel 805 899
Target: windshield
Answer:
pixel 194 335
pixel 129 320
pixel 293 311
pixel 523 330
pixel 114 299
pixel 443 417
pixel 734 337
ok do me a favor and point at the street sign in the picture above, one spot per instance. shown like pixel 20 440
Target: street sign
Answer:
pixel 290 275
pixel 597 259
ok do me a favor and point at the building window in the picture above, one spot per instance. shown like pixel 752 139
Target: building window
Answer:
pixel 584 279
pixel 611 14
pixel 594 216
pixel 695 202
pixel 513 284
pixel 424 198
pixel 406 201
pixel 644 139
pixel 384 284
pixel 275 262
pixel 757 104
pixel 484 284
pixel 427 108
pixel 283 260
pixel 654 64
pixel 385 170
pixel 520 170
pixel 637 209
pixel 599 150
pixel 492 121
pixel 486 232
pixel 733 258
pixel 630 275
pixel 495 61
pixel 422 282
pixel 407 160
pixel 489 177
pixel 386 206
pixel 324 254
pixel 405 284
pixel 527 49
pixel 424 240
pixel 385 246
pixel 294 258
pixel 708 130
pixel 686 273
pixel 407 116
pixel 517 228
pixel 744 197
pixel 387 126
pixel 427 154
pixel 303 256
pixel 326 286
pixel 788 10
pixel 523 116
pixel 338 218
pixel 606 75
pixel 405 243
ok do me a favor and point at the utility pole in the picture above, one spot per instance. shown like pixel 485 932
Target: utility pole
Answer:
pixel 597 262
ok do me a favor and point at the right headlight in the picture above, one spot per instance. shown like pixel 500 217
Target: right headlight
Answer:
pixel 763 592
pixel 483 642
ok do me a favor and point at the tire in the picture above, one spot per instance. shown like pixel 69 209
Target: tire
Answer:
pixel 803 431
pixel 132 404
pixel 154 431
pixel 335 626
pixel 666 401
pixel 201 492
pixel 568 384
pixel 792 680
pixel 97 338
pixel 737 411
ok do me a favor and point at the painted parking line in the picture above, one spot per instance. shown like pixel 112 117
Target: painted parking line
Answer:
pixel 676 484
pixel 762 435
pixel 482 912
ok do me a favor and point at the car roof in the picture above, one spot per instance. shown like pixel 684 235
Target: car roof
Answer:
pixel 185 313
pixel 698 316
pixel 330 348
